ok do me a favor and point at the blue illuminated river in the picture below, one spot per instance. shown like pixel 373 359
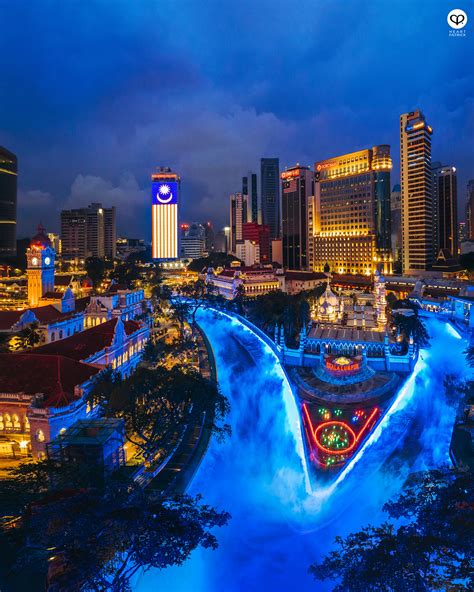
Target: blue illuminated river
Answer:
pixel 278 528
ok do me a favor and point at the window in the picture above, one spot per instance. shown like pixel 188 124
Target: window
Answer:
pixel 39 436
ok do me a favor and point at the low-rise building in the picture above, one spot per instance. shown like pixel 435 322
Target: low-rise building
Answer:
pixel 246 281
pixel 294 282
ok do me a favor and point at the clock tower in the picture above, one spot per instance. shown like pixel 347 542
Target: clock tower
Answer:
pixel 40 255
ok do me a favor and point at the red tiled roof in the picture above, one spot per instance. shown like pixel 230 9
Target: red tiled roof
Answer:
pixel 63 280
pixel 8 318
pixel 54 376
pixel 81 303
pixel 84 344
pixel 49 313
pixel 56 295
pixel 304 275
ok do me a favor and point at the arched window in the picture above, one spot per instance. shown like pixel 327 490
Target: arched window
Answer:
pixel 68 331
pixel 2 423
pixel 8 421
pixel 39 436
pixel 53 336
pixel 27 424
pixel 16 422
pixel 60 334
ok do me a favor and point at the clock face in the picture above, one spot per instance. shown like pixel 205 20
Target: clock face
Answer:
pixel 47 260
pixel 34 261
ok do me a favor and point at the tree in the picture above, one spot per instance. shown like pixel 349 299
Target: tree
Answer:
pixel 404 317
pixel 96 537
pixel 95 269
pixel 27 338
pixel 430 548
pixel 158 403
pixel 191 297
pixel 214 260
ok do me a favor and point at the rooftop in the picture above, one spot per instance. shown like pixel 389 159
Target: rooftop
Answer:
pixel 51 375
pixel 83 345
pixel 346 334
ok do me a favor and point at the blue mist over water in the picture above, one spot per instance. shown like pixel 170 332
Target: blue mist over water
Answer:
pixel 278 528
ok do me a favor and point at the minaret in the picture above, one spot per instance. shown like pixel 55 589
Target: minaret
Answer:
pixel 41 256
pixel 380 300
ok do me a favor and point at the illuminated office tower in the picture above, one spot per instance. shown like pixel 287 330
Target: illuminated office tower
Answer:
pixel 296 189
pixel 445 209
pixel 470 210
pixel 165 188
pixel 417 193
pixel 249 187
pixel 396 222
pixel 270 194
pixel 238 217
pixel 351 212
pixel 8 197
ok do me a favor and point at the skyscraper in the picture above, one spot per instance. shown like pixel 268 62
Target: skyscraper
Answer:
pixel 8 197
pixel 88 232
pixel 249 187
pixel 351 212
pixel 270 194
pixel 296 188
pixel 470 210
pixel 238 217
pixel 165 189
pixel 396 222
pixel 417 196
pixel 445 207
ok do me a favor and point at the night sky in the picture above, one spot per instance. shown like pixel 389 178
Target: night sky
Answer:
pixel 95 94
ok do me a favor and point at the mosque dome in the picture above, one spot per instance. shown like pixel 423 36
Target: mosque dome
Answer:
pixel 328 298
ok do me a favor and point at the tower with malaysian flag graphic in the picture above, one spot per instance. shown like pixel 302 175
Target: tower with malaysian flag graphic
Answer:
pixel 165 186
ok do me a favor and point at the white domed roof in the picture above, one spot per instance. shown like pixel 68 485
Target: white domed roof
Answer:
pixel 328 297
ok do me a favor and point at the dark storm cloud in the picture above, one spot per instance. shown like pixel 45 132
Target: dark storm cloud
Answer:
pixel 94 95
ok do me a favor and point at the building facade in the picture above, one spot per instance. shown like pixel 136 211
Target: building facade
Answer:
pixel 297 186
pixel 88 232
pixel 270 195
pixel 238 217
pixel 8 199
pixel 193 241
pixel 470 210
pixel 445 209
pixel 249 188
pixel 165 188
pixel 351 213
pixel 396 223
pixel 417 192
pixel 259 234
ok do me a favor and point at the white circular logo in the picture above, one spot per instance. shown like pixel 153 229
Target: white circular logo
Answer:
pixel 47 260
pixel 457 19
pixel 34 261
pixel 164 195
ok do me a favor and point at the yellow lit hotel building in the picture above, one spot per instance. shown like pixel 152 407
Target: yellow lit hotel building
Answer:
pixel 165 188
pixel 350 215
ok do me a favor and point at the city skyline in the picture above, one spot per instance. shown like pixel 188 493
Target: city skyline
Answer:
pixel 109 157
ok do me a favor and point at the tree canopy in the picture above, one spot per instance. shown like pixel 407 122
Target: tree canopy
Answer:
pixel 95 536
pixel 429 547
pixel 158 403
